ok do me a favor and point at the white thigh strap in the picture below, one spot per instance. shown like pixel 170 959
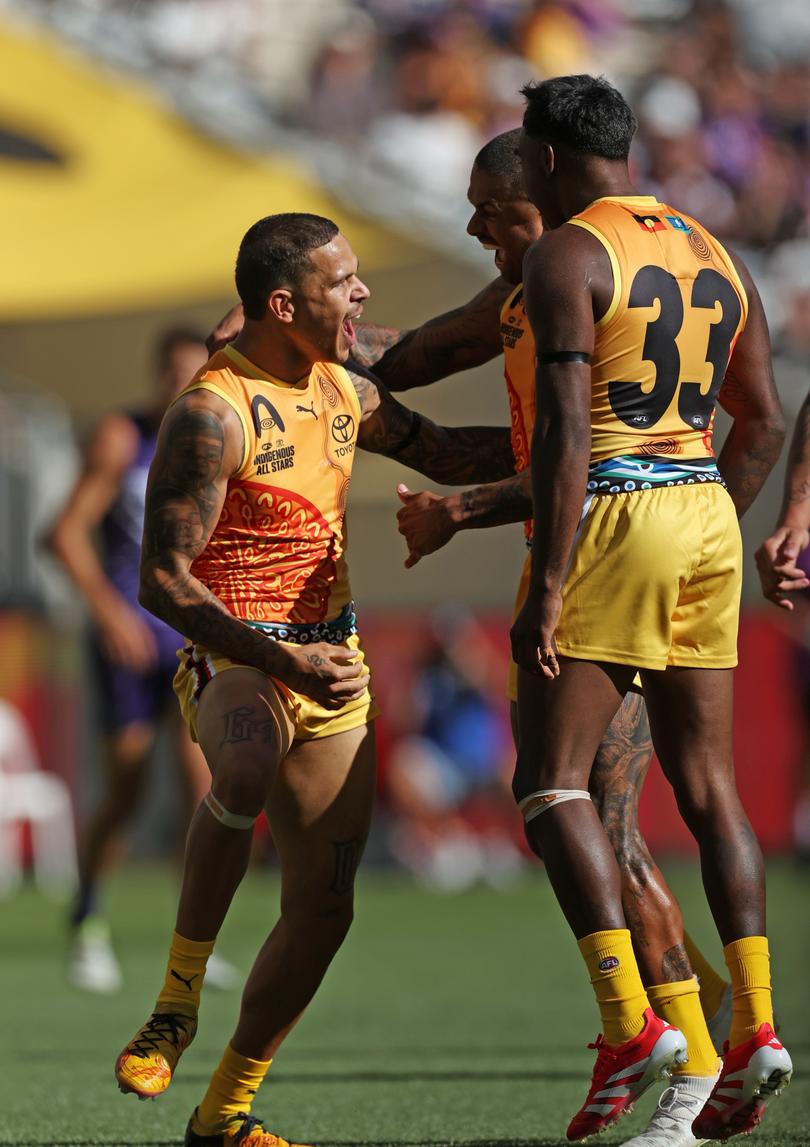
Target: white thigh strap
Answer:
pixel 229 819
pixel 535 803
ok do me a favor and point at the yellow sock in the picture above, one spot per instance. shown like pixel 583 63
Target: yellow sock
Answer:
pixel 679 1005
pixel 712 985
pixel 231 1090
pixel 184 975
pixel 749 965
pixel 616 981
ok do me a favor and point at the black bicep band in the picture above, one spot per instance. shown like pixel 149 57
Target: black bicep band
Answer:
pixel 563 356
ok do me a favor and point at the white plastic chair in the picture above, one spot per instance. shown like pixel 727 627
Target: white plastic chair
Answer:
pixel 30 795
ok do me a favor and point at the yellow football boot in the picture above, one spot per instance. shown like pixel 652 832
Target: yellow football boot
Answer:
pixel 147 1063
pixel 244 1131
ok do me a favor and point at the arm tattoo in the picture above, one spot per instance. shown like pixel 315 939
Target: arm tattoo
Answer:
pixel 453 455
pixel 182 509
pixel 182 498
pixel 497 503
pixel 373 344
pixel 747 458
pixel 463 338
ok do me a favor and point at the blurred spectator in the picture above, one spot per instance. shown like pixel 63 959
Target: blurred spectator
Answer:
pixel 135 654
pixel 453 817
pixel 411 88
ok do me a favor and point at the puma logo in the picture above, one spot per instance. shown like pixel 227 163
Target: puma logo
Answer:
pixel 307 410
pixel 183 979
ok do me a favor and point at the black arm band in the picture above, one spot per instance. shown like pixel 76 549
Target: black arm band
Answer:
pixel 411 436
pixel 563 356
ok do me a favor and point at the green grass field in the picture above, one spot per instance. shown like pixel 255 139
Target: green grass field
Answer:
pixel 459 1020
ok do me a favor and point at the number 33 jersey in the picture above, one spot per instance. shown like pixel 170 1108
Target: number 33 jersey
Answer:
pixel 662 347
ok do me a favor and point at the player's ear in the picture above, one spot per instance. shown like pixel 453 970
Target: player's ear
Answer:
pixel 549 158
pixel 280 305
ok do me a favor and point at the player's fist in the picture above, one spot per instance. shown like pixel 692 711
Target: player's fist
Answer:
pixel 427 521
pixel 332 675
pixel 226 330
pixel 776 561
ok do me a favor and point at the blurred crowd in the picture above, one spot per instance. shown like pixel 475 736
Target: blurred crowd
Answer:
pixel 394 97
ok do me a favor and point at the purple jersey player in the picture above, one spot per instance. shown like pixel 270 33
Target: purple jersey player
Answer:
pixel 135 654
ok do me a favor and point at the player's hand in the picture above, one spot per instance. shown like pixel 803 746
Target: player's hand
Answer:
pixel 126 639
pixel 532 634
pixel 226 330
pixel 332 675
pixel 776 563
pixel 425 522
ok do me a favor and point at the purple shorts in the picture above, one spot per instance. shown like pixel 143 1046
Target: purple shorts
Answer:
pixel 126 697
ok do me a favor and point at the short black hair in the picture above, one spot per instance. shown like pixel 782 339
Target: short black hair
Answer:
pixel 173 337
pixel 500 158
pixel 585 114
pixel 275 253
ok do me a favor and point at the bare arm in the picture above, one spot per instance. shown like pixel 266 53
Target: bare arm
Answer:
pixel 749 395
pixel 559 271
pixel 428 521
pixel 795 512
pixel 458 340
pixel 199 449
pixel 777 556
pixel 453 455
pixel 124 635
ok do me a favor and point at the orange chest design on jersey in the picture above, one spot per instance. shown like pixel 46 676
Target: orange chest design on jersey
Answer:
pixel 519 373
pixel 276 553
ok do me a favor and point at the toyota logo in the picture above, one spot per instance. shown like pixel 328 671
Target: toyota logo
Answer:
pixel 343 428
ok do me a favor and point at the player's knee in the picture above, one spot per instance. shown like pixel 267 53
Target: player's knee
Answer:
pixel 704 803
pixel 242 789
pixel 328 918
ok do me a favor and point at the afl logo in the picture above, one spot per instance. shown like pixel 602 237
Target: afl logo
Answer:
pixel 343 428
pixel 699 244
pixel 608 964
pixel 265 416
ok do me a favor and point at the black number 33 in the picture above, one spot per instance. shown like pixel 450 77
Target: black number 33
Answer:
pixel 627 399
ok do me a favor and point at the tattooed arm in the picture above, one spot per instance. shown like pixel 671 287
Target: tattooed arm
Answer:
pixel 777 556
pixel 199 448
pixel 458 340
pixel 454 455
pixel 428 521
pixel 463 338
pixel 749 395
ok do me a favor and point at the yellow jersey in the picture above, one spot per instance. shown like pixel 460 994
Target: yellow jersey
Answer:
pixel 663 344
pixel 277 552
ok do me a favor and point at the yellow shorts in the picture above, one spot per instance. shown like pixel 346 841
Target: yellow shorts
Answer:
pixel 523 590
pixel 199 665
pixel 655 580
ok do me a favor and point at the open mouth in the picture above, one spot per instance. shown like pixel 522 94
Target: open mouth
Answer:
pixel 500 258
pixel 349 331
